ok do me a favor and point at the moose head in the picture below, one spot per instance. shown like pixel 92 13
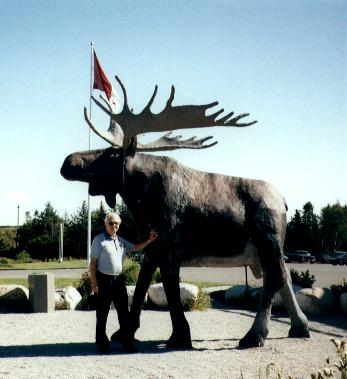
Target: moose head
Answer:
pixel 96 166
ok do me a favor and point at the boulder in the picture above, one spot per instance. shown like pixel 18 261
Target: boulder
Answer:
pixel 131 290
pixel 343 302
pixel 237 292
pixel 278 302
pixel 211 290
pixel 59 299
pixel 156 293
pixel 14 298
pixel 67 298
pixel 316 301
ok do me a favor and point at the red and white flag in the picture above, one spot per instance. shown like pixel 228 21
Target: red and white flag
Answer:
pixel 103 84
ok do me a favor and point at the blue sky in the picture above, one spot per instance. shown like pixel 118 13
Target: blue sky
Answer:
pixel 284 62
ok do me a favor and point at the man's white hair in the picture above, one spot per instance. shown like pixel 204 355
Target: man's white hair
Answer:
pixel 113 216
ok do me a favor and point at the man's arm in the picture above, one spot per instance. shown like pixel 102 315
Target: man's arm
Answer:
pixel 92 270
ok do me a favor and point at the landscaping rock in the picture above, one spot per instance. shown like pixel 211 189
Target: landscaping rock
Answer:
pixel 343 302
pixel 237 292
pixel 131 290
pixel 156 293
pixel 278 302
pixel 14 298
pixel 59 299
pixel 67 298
pixel 211 290
pixel 316 300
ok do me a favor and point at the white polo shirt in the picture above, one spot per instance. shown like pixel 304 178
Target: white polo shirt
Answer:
pixel 110 253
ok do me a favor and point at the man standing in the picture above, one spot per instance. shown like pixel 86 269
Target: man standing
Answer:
pixel 106 264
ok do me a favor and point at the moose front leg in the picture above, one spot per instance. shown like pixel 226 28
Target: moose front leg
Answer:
pixel 142 285
pixel 180 337
pixel 143 282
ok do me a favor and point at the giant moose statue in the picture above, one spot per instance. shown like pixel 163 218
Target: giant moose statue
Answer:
pixel 202 218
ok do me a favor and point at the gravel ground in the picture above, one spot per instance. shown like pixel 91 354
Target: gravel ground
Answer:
pixel 61 345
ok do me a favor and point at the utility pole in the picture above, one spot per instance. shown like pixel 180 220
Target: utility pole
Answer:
pixel 17 227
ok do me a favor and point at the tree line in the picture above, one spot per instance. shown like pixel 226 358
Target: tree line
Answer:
pixel 39 234
pixel 323 233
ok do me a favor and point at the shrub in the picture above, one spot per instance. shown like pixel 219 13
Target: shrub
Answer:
pixel 303 279
pixel 339 289
pixel 131 272
pixel 329 370
pixel 4 262
pixel 84 287
pixel 202 302
pixel 23 257
pixel 156 277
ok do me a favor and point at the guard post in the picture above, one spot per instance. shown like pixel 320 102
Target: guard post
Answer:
pixel 41 292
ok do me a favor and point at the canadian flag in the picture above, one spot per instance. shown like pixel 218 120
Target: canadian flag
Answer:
pixel 103 84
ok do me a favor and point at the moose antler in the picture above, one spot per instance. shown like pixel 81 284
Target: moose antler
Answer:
pixel 171 118
pixel 115 135
pixel 166 143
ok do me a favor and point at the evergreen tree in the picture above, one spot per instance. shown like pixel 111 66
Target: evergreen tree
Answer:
pixel 333 227
pixel 310 228
pixel 98 218
pixel 294 233
pixel 76 226
pixel 39 234
pixel 302 230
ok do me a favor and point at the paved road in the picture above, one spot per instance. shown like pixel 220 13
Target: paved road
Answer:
pixel 325 274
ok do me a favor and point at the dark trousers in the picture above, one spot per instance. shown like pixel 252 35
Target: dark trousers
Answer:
pixel 111 289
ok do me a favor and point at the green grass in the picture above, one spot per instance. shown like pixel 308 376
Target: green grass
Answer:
pixel 59 282
pixel 39 265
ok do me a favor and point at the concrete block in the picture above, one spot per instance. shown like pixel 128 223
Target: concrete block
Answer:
pixel 41 292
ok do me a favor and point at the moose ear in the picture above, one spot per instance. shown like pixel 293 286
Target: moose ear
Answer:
pixel 131 150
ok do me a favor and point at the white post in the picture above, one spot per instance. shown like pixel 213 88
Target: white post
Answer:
pixel 61 242
pixel 89 228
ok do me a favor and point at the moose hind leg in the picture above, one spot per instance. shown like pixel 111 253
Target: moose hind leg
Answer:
pixel 180 337
pixel 256 336
pixel 269 250
pixel 299 324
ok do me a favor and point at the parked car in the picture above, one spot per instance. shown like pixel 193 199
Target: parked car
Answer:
pixel 299 256
pixel 339 258
pixel 323 258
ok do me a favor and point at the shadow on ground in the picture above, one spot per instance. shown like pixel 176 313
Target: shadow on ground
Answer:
pixel 246 308
pixel 76 349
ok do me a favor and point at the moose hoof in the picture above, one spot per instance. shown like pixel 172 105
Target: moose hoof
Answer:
pixel 179 344
pixel 251 340
pixel 299 332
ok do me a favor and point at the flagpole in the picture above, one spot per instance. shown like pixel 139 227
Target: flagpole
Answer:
pixel 89 228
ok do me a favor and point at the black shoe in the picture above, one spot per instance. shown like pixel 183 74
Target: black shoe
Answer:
pixel 129 347
pixel 103 346
pixel 116 336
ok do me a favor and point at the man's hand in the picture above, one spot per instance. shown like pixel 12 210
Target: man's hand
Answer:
pixel 95 288
pixel 152 235
pixel 92 270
